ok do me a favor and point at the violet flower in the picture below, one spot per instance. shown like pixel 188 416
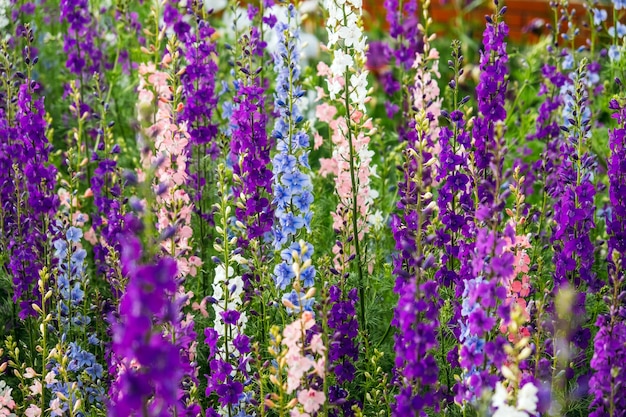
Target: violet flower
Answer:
pixel 27 183
pixel 404 28
pixel 574 253
pixel 417 314
pixel 150 370
pixel 490 93
pixel 250 148
pixel 484 294
pixel 343 351
pixel 456 203
pixel 609 357
pixel 80 42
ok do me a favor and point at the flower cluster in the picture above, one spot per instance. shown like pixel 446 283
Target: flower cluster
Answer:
pixel 150 369
pixel 490 94
pixel 250 146
pixel 343 352
pixel 574 255
pixel 299 353
pixel 168 154
pixel 548 129
pixel 616 225
pixel 518 286
pixel 483 304
pixel 83 55
pixel 416 315
pixel 199 82
pixel 229 346
pixel 227 342
pixel 350 163
pixel 455 182
pixel 7 404
pixel 609 353
pixel 526 401
pixel 407 34
pixel 293 190
pixel 27 183
pixel 404 29
pixel 75 380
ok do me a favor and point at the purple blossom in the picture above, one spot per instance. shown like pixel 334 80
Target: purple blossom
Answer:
pixel 574 209
pixel 609 354
pixel 250 149
pixel 80 42
pixel 490 93
pixel 343 351
pixel 27 183
pixel 416 315
pixel 150 370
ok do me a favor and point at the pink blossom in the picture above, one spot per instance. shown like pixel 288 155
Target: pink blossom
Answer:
pixel 311 399
pixel 323 70
pixel 318 141
pixel 295 412
pixel 317 344
pixel 325 112
pixel 32 411
pixel 36 388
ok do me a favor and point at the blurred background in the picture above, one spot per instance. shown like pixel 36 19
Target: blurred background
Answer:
pixel 464 20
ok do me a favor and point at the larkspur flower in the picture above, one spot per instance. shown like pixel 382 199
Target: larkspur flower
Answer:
pixel 250 149
pixel 489 266
pixel 609 353
pixel 415 368
pixel 292 184
pixel 83 55
pixel 599 16
pixel 26 185
pixel 150 371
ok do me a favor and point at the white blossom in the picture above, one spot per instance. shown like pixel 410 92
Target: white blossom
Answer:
pixel 527 398
pixel 341 61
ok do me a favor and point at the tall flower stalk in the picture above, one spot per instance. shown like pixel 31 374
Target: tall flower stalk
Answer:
pixel 293 189
pixel 199 82
pixel 166 151
pixel 490 266
pixel 417 312
pixel 150 371
pixel 229 347
pixel 28 179
pixel 347 88
pixel 250 145
pixel 609 356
